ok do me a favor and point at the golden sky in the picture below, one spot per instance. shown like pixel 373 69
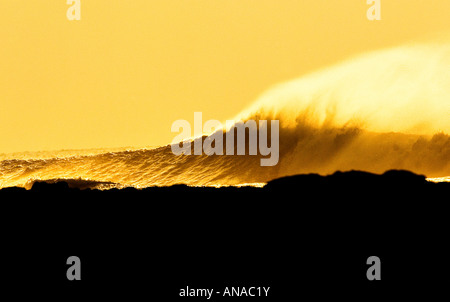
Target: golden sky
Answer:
pixel 122 74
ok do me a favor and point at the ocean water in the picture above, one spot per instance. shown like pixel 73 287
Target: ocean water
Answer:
pixel 384 110
pixel 321 151
pixel 439 179
pixel 104 169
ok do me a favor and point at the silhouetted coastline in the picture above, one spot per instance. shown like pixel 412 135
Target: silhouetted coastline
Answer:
pixel 389 179
pixel 305 232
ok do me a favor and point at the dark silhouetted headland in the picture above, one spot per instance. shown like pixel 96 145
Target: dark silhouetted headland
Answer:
pixel 303 232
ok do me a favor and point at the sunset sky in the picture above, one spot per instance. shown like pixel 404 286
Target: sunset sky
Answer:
pixel 128 69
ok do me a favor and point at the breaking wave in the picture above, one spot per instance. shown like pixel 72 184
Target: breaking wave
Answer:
pixel 385 110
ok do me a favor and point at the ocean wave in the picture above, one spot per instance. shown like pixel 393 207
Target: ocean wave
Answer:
pixel 381 111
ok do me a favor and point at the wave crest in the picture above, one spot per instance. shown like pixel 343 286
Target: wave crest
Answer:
pixel 382 111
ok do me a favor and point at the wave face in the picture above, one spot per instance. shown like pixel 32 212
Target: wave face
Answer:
pixel 386 110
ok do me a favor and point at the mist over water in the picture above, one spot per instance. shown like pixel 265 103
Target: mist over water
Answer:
pixel 384 110
pixel 404 89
